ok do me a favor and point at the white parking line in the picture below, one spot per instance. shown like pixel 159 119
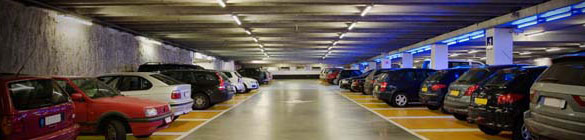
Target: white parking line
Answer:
pixel 207 110
pixel 216 116
pixel 421 117
pixel 373 103
pixel 412 108
pixel 447 130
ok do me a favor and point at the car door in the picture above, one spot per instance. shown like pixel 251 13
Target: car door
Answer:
pixel 137 86
pixel 81 107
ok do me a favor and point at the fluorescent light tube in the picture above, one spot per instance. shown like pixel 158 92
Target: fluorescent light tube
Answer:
pixel 248 32
pixel 221 3
pixel 341 36
pixel 553 49
pixel 237 19
pixel 351 26
pixel 366 10
pixel 261 46
pixel 525 53
pixel 334 43
pixel 255 39
pixel 473 51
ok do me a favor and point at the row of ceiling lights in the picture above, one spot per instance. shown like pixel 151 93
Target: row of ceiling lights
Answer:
pixel 349 28
pixel 223 4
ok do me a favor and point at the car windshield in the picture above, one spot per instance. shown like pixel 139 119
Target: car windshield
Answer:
pixel 228 74
pixel 567 73
pixel 503 77
pixel 93 88
pixel 472 76
pixel 166 79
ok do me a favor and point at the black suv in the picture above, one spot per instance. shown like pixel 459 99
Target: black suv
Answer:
pixel 502 100
pixel 255 73
pixel 368 84
pixel 400 87
pixel 157 67
pixel 346 74
pixel 348 82
pixel 208 87
pixel 434 88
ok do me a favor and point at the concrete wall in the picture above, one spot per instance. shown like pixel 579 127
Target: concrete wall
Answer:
pixel 67 47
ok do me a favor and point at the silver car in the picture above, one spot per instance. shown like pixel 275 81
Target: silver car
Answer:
pixel 557 106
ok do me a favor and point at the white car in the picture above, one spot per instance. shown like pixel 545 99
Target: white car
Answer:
pixel 250 84
pixel 153 86
pixel 236 79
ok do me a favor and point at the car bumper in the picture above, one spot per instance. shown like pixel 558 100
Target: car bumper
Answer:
pixel 69 133
pixel 536 124
pixel 252 85
pixel 147 126
pixel 430 99
pixel 240 88
pixel 221 97
pixel 182 108
pixel 498 119
pixel 457 105
pixel 384 96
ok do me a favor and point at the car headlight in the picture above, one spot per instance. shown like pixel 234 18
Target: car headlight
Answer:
pixel 149 112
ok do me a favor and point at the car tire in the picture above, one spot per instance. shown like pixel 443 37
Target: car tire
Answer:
pixel 432 107
pixel 246 89
pixel 399 100
pixel 460 117
pixel 488 131
pixel 520 131
pixel 114 130
pixel 144 136
pixel 201 101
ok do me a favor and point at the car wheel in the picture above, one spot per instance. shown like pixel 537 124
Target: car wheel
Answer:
pixel 488 130
pixel 144 136
pixel 460 117
pixel 432 107
pixel 201 101
pixel 246 89
pixel 399 100
pixel 520 131
pixel 115 130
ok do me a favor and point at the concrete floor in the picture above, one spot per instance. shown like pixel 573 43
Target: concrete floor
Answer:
pixel 299 109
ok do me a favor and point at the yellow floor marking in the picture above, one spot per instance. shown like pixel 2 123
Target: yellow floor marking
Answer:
pixel 231 102
pixel 199 115
pixel 129 138
pixel 377 105
pixel 239 97
pixel 463 136
pixel 394 113
pixel 433 123
pixel 370 101
pixel 220 107
pixel 360 97
pixel 182 126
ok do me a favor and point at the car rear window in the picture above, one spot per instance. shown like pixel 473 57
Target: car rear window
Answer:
pixel 92 88
pixel 166 79
pixel 437 76
pixel 502 77
pixel 33 94
pixel 228 74
pixel 566 73
pixel 473 76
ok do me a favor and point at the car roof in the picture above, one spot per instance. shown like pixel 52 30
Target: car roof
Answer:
pixel 4 77
pixel 130 74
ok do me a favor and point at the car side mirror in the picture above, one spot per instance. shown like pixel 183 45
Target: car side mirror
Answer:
pixel 77 97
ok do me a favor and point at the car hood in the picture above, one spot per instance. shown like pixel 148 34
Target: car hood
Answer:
pixel 129 102
pixel 249 79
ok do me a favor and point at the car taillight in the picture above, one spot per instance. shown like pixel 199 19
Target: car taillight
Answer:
pixel 383 86
pixel 579 99
pixel 533 96
pixel 175 94
pixel 354 82
pixel 10 126
pixel 437 87
pixel 470 90
pixel 509 98
pixel 221 82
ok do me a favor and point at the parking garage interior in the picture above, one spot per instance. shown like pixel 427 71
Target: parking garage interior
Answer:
pixel 277 69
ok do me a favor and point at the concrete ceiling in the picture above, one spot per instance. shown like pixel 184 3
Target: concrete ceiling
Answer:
pixel 293 30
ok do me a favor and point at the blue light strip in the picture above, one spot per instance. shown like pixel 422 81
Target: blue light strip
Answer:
pixel 549 16
pixel 464 37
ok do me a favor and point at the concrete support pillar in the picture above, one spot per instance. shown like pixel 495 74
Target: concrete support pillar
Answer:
pixel 439 56
pixel 499 46
pixel 372 65
pixel 407 61
pixel 386 63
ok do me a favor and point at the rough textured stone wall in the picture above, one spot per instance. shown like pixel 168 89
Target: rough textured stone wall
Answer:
pixel 57 46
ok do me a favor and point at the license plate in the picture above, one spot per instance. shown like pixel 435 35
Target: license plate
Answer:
pixel 454 93
pixel 554 102
pixel 168 120
pixel 52 119
pixel 481 101
pixel 424 89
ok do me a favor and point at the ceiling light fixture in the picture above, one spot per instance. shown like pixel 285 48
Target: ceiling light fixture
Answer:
pixel 454 55
pixel 473 51
pixel 525 53
pixel 235 17
pixel 341 35
pixel 331 47
pixel 534 34
pixel 366 10
pixel 260 45
pixel 248 32
pixel 255 39
pixel 334 43
pixel 553 49
pixel 221 3
pixel 351 26
pixel 582 45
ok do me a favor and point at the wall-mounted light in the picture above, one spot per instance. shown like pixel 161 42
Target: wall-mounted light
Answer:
pixel 221 3
pixel 75 19
pixel 366 10
pixel 235 17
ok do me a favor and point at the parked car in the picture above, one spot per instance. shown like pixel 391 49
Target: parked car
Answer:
pixel 501 103
pixel 236 79
pixel 324 72
pixel 347 82
pixel 254 73
pixel 368 85
pixel 357 85
pixel 99 108
pixel 459 94
pixel 35 108
pixel 156 67
pixel 332 75
pixel 209 87
pixel 268 76
pixel 400 87
pixel 557 105
pixel 456 64
pixel 153 86
pixel 346 74
pixel 434 88
pixel 250 84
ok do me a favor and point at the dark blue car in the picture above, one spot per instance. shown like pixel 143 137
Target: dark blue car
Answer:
pixel 400 87
pixel 434 88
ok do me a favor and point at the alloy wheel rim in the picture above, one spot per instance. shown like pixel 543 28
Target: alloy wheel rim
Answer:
pixel 111 132
pixel 525 133
pixel 199 100
pixel 401 100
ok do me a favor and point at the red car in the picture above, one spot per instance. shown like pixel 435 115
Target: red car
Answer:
pixel 35 108
pixel 102 109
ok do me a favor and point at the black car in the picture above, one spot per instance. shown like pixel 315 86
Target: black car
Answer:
pixel 368 85
pixel 400 87
pixel 357 85
pixel 208 87
pixel 348 82
pixel 346 74
pixel 504 97
pixel 156 67
pixel 255 73
pixel 434 88
pixel 458 97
